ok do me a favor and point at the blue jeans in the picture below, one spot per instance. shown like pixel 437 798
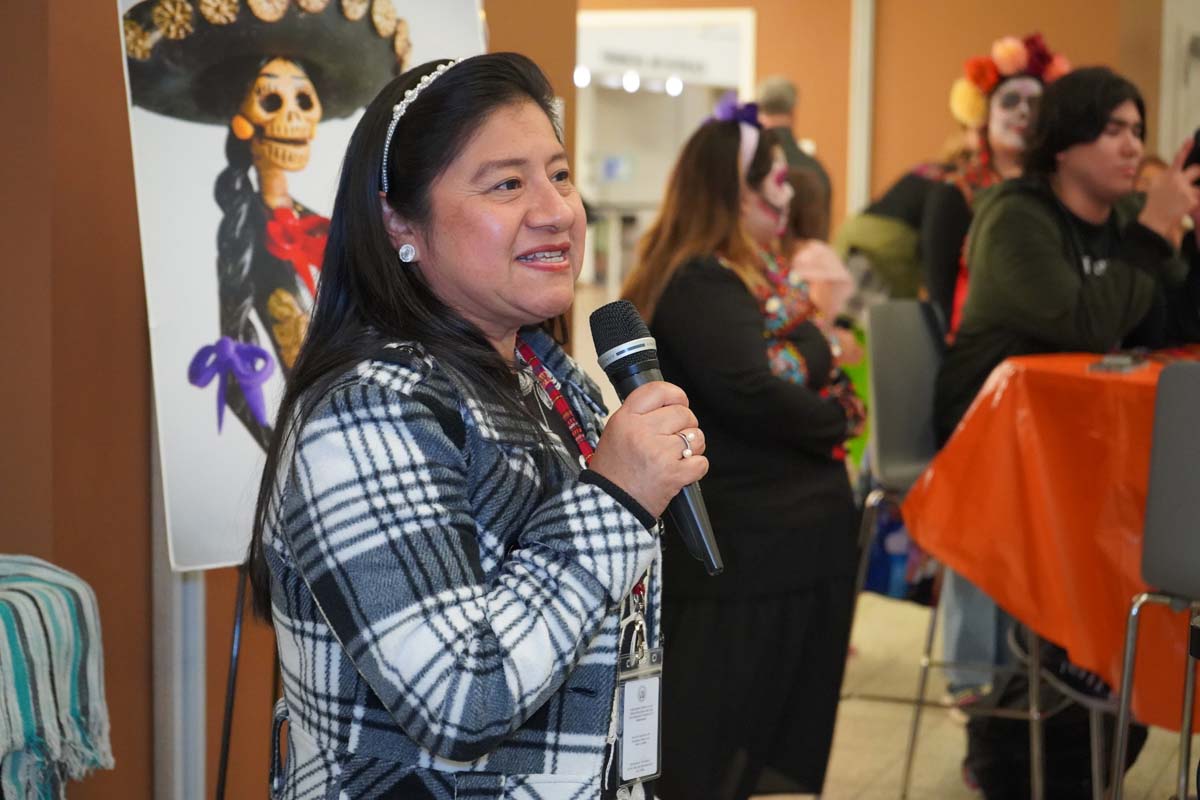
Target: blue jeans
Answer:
pixel 975 631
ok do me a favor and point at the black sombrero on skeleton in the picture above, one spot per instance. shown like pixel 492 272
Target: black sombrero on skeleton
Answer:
pixel 191 59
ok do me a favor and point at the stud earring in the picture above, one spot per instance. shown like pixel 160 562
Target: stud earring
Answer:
pixel 407 253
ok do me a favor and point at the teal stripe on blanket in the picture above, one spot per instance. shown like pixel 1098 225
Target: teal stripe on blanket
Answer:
pixel 52 592
pixel 22 686
pixel 53 719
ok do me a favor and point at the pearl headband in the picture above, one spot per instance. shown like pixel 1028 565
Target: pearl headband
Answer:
pixel 410 97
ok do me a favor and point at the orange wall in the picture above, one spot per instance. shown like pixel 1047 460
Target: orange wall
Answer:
pixel 806 40
pixel 100 402
pixel 1140 52
pixel 550 42
pixel 27 525
pixel 920 49
pixel 75 407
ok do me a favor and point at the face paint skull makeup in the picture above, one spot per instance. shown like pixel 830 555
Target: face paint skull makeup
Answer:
pixel 765 207
pixel 776 192
pixel 1011 112
pixel 283 107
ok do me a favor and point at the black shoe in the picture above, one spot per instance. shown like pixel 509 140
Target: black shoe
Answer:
pixel 1083 686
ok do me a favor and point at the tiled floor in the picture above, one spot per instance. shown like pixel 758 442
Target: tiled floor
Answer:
pixel 869 743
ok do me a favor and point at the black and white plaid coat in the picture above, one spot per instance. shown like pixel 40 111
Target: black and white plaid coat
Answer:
pixel 446 593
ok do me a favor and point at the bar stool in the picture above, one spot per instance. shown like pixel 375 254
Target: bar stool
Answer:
pixel 1170 547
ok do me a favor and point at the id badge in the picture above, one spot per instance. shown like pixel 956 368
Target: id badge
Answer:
pixel 639 735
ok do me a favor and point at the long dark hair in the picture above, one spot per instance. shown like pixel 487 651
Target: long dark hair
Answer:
pixel 366 296
pixel 808 214
pixel 243 219
pixel 700 213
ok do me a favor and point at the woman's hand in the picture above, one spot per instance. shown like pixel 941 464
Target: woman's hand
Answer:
pixel 1172 196
pixel 641 450
pixel 851 352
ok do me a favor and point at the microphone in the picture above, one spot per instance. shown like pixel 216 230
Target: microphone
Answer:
pixel 629 357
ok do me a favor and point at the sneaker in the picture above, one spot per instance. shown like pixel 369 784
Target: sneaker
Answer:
pixel 969 779
pixel 1081 685
pixel 960 701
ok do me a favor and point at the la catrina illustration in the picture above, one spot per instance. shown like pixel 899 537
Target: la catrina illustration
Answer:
pixel 270 71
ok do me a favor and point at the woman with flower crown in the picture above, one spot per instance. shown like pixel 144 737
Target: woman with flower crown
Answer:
pixel 998 97
pixel 461 566
pixel 755 657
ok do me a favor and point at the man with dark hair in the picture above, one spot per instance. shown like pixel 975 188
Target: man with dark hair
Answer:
pixel 1066 258
pixel 777 97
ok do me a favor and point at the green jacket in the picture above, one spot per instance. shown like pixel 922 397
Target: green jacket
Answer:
pixel 1032 291
pixel 890 244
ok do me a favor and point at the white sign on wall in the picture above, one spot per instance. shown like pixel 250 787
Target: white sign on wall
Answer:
pixel 240 112
pixel 701 47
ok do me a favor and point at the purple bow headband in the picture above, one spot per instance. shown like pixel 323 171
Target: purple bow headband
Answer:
pixel 729 110
pixel 746 116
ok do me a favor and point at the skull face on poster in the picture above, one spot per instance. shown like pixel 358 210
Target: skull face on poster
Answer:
pixel 269 71
pixel 283 111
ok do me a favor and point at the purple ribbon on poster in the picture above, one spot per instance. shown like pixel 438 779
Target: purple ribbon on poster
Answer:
pixel 728 110
pixel 250 364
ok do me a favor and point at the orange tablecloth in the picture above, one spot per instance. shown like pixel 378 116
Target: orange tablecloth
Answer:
pixel 1039 498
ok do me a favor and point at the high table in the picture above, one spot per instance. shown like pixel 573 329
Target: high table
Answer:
pixel 1039 498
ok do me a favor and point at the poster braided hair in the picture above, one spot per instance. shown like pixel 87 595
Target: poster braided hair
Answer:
pixel 242 223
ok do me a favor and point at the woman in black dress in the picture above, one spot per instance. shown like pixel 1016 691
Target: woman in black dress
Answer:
pixel 755 656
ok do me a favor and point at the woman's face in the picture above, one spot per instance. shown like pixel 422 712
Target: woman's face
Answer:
pixel 1011 112
pixel 505 239
pixel 765 208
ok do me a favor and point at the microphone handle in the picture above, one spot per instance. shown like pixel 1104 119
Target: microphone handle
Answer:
pixel 689 515
pixel 686 511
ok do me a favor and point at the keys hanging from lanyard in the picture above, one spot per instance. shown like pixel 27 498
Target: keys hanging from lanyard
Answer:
pixel 634 638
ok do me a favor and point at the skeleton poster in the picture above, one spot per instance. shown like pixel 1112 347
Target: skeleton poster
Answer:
pixel 239 113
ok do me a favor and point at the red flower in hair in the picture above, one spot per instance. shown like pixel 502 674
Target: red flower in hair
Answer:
pixel 1039 55
pixel 982 72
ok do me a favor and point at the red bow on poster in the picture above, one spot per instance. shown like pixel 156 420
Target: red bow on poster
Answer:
pixel 300 240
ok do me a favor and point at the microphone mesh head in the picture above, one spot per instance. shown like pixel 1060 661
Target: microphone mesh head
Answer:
pixel 616 323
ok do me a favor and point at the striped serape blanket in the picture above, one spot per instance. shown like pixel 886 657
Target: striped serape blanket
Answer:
pixel 53 718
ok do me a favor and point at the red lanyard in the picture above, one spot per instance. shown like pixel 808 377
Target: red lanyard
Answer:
pixel 556 398
pixel 564 410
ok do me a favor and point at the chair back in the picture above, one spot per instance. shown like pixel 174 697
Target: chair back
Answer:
pixel 905 345
pixel 1171 543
